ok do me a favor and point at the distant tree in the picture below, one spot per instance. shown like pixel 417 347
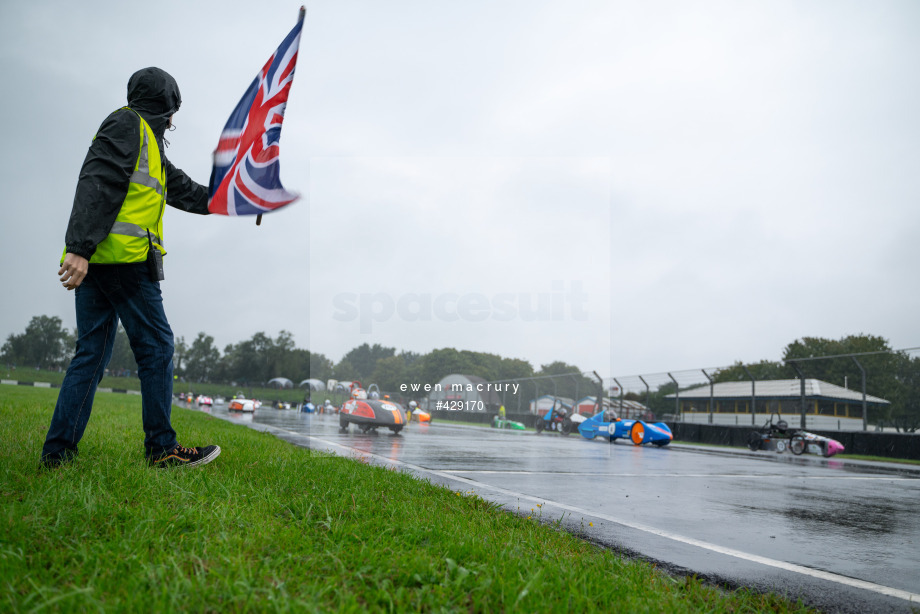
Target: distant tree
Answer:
pixel 233 365
pixel 15 349
pixel 567 381
pixel 843 371
pixel 261 358
pixel 410 358
pixel 438 364
pixel 364 359
pixel 481 364
pixel 202 359
pixel 390 373
pixel 282 358
pixel 660 404
pixel 511 368
pixel 763 370
pixel 293 364
pixel 904 412
pixel 247 362
pixel 344 371
pixel 41 345
pixel 180 350
pixel 320 367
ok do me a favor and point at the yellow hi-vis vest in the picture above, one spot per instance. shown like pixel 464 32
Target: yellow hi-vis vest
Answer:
pixel 142 210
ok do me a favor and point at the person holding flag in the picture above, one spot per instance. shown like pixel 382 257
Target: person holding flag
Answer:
pixel 113 263
pixel 113 258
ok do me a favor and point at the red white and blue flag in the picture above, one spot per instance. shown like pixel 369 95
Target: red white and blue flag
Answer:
pixel 246 178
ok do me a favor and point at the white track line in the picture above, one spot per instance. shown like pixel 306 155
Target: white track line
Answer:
pixel 675 475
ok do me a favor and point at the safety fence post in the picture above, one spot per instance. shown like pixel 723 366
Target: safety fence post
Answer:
pixel 865 412
pixel 801 375
pixel 753 394
pixel 648 394
pixel 676 399
pixel 600 392
pixel 711 383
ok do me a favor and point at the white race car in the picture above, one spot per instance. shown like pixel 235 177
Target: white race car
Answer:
pixel 247 405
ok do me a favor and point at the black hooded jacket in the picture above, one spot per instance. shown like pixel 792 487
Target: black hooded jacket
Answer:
pixel 109 163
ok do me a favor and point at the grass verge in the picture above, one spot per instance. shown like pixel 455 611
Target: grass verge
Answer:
pixel 272 527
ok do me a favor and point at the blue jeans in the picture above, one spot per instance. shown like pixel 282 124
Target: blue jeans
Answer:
pixel 109 293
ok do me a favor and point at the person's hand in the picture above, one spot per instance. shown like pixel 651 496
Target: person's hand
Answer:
pixel 73 270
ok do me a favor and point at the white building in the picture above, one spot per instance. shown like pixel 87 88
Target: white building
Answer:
pixel 827 406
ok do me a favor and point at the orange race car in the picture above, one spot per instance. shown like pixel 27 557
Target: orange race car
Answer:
pixel 369 414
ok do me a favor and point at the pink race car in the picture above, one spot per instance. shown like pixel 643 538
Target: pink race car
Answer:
pixel 779 437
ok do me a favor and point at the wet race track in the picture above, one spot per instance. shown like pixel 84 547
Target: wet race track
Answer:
pixel 842 535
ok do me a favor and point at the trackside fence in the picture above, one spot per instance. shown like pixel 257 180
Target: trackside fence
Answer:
pixel 868 401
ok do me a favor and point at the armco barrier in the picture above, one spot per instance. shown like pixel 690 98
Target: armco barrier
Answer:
pixel 890 445
pixel 13 382
pixel 50 385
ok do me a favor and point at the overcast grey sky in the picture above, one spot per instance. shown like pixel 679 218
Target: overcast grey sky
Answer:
pixel 631 187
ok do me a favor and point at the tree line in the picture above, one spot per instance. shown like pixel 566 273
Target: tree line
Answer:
pixel 46 344
pixel 894 376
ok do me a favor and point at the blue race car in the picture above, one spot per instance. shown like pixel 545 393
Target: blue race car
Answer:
pixel 606 424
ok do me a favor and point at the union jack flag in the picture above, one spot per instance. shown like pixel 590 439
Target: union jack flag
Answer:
pixel 245 179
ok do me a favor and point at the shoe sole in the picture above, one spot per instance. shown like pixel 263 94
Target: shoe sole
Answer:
pixel 205 459
pixel 201 461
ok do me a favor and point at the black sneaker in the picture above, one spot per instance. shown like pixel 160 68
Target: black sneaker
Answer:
pixel 54 461
pixel 180 456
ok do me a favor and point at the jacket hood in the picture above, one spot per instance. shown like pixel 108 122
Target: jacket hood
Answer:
pixel 154 94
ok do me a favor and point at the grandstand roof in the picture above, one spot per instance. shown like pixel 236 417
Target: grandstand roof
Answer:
pixel 780 388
